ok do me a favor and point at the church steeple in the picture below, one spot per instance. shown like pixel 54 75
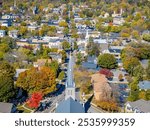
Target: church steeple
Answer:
pixel 70 85
pixel 15 4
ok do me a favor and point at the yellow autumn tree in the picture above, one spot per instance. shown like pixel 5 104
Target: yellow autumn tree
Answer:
pixel 37 79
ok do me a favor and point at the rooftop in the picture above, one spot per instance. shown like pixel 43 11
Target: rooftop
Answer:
pixel 144 63
pixel 141 105
pixel 5 107
pixel 114 50
pixel 100 41
pixel 70 106
pixel 144 84
pixel 89 65
pixel 70 81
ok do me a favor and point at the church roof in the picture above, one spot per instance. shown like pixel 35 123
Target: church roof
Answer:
pixel 70 106
pixel 70 81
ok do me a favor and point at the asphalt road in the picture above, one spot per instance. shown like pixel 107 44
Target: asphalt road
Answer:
pixel 60 96
pixel 54 100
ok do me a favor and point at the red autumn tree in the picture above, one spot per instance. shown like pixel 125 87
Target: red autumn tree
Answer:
pixel 106 72
pixel 34 100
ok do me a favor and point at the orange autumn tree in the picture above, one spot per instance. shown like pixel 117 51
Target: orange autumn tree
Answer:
pixel 34 100
pixel 37 79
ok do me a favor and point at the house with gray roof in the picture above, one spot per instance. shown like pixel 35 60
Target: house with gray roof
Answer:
pixel 144 85
pixel 5 107
pixel 139 106
pixel 91 64
pixel 100 41
pixel 114 50
pixel 144 63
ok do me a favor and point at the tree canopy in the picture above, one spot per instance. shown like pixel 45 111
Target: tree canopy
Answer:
pixel 107 61
pixel 7 73
pixel 130 63
pixel 65 45
pixel 34 79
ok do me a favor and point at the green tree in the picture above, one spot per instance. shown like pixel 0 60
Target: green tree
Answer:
pixel 134 92
pixel 134 84
pixel 66 30
pixel 126 32
pixel 146 37
pixel 134 95
pixel 1 55
pixel 45 54
pixel 138 72
pixel 130 63
pixel 75 35
pixel 138 16
pixel 107 61
pixel 64 55
pixel 4 47
pixel 92 48
pixel 61 75
pixel 23 30
pixel 7 90
pixel 63 24
pixel 115 29
pixel 79 58
pixel 37 18
pixel 65 45
pixel 148 70
pixel 24 50
pixel 9 41
pixel 148 94
pixel 75 46
pixel 23 23
pixel 54 66
pixel 135 34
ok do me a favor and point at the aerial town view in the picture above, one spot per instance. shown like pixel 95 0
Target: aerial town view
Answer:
pixel 74 56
